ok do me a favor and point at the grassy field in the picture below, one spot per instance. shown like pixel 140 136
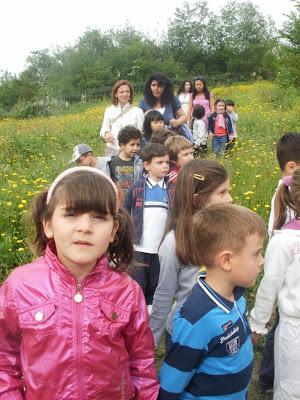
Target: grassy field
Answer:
pixel 34 151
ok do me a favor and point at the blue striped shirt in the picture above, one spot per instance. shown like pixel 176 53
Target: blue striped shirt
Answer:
pixel 211 357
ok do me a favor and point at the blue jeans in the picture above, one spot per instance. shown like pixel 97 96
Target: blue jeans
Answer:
pixel 219 145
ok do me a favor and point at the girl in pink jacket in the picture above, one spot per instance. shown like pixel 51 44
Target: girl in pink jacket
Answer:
pixel 73 324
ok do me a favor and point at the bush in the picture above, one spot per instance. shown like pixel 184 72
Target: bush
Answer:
pixel 24 110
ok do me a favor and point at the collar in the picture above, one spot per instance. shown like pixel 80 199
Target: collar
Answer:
pixel 124 107
pixel 225 304
pixel 151 183
pixel 293 224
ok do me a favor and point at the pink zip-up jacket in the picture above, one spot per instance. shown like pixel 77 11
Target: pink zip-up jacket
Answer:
pixel 61 341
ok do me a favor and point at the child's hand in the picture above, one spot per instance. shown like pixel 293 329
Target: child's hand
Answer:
pixel 174 123
pixel 210 135
pixel 255 338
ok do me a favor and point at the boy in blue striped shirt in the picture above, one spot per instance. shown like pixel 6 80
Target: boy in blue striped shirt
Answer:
pixel 211 356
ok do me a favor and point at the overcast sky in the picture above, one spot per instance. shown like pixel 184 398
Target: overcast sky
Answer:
pixel 29 25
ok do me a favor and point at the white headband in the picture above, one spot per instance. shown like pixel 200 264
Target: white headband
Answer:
pixel 70 171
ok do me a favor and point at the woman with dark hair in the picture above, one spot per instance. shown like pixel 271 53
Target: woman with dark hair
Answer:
pixel 120 114
pixel 184 94
pixel 201 96
pixel 158 95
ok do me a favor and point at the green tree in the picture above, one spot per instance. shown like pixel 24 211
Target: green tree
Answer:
pixel 33 80
pixel 9 91
pixel 290 51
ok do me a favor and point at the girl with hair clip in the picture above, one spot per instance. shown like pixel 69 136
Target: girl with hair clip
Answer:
pixel 154 121
pixel 199 184
pixel 73 324
pixel 281 283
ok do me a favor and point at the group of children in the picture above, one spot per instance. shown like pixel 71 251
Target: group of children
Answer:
pixel 221 128
pixel 75 325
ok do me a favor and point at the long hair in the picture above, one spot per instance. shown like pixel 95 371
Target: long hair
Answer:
pixel 82 192
pixel 182 87
pixel 287 197
pixel 205 88
pixel 163 81
pixel 195 182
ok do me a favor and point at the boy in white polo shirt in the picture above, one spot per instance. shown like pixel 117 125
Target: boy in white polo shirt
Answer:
pixel 148 202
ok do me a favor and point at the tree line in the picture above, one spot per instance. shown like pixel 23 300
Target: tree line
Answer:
pixel 236 44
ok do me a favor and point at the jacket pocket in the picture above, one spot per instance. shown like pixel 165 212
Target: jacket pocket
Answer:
pixel 40 318
pixel 110 317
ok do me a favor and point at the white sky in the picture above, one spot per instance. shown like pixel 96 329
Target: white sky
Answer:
pixel 29 25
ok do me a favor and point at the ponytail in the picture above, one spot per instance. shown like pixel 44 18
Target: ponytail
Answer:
pixel 120 252
pixel 39 239
pixel 287 196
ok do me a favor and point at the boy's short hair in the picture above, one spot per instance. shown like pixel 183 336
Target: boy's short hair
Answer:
pixel 222 227
pixel 288 149
pixel 229 102
pixel 153 150
pixel 198 111
pixel 175 144
pixel 129 132
pixel 161 135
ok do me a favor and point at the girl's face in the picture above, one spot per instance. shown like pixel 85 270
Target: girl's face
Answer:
pixel 199 86
pixel 187 87
pixel 156 125
pixel 157 91
pixel 220 194
pixel 220 107
pixel 80 239
pixel 123 94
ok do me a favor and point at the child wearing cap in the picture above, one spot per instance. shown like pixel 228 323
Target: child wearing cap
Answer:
pixel 83 156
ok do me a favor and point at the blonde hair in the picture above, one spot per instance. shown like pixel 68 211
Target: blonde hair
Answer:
pixel 175 144
pixel 222 227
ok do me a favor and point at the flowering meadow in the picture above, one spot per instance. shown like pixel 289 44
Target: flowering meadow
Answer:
pixel 34 151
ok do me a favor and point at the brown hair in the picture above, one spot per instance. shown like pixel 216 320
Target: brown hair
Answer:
pixel 196 181
pixel 161 135
pixel 287 197
pixel 153 150
pixel 115 88
pixel 81 192
pixel 221 227
pixel 175 144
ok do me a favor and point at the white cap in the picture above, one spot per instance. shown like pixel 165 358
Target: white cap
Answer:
pixel 79 150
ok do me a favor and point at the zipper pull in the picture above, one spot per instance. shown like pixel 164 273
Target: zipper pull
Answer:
pixel 78 296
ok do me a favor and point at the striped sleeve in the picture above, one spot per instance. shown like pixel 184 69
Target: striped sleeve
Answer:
pixel 187 350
